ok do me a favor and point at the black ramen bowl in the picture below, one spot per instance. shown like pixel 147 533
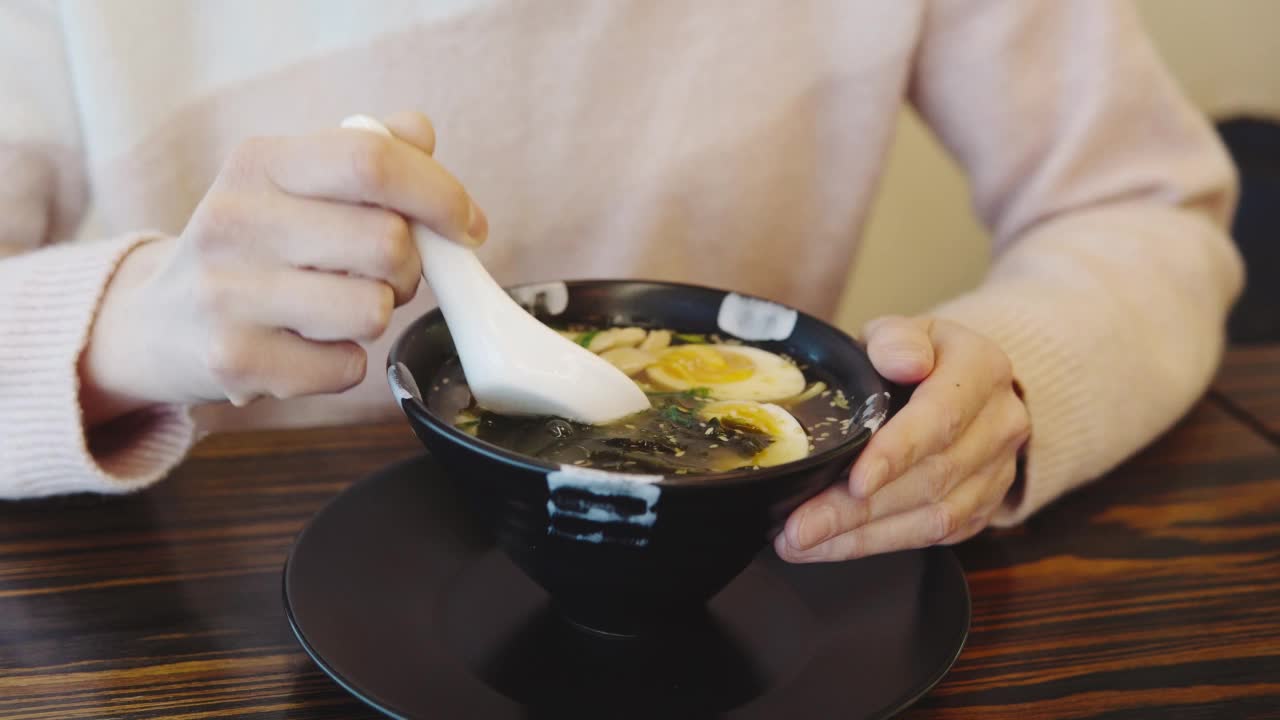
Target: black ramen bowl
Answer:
pixel 615 555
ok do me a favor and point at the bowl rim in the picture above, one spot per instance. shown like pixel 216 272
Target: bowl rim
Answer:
pixel 417 407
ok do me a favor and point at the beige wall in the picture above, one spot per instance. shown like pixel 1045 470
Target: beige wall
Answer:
pixel 1226 53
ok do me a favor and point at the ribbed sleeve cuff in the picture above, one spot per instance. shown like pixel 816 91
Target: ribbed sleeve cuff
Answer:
pixel 1051 376
pixel 48 301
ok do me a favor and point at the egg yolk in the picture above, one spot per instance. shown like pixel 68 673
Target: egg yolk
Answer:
pixel 704 365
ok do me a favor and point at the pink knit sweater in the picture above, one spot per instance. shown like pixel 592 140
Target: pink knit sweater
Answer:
pixel 729 143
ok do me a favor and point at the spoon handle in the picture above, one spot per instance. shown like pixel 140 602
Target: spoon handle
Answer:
pixel 465 292
pixel 473 303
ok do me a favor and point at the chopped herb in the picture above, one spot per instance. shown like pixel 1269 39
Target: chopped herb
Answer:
pixel 691 339
pixel 698 393
pixel 678 416
pixel 468 424
pixel 587 337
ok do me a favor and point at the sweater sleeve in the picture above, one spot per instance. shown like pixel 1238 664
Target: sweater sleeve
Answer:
pixel 1107 196
pixel 49 291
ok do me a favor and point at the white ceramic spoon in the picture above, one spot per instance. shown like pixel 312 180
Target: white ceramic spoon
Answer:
pixel 513 363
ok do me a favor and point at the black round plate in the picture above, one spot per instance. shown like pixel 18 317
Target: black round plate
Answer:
pixel 404 601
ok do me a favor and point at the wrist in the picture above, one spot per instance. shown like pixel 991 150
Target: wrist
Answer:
pixel 112 372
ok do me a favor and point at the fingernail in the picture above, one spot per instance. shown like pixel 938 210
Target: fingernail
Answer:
pixel 870 479
pixel 477 224
pixel 815 526
pixel 781 546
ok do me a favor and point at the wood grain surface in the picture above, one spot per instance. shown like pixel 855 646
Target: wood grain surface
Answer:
pixel 1249 385
pixel 1154 592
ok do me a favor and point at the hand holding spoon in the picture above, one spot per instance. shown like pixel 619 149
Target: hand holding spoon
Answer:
pixel 513 363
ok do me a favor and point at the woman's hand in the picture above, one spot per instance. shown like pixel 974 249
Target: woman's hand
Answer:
pixel 300 250
pixel 936 472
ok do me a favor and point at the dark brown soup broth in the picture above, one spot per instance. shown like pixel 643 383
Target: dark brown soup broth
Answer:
pixel 669 438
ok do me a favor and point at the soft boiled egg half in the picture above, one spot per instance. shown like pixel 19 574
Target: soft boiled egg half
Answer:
pixel 728 372
pixel 789 439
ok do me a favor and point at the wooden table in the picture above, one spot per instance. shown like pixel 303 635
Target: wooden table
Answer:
pixel 1249 386
pixel 1152 593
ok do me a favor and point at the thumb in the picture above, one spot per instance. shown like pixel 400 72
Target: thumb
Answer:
pixel 900 348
